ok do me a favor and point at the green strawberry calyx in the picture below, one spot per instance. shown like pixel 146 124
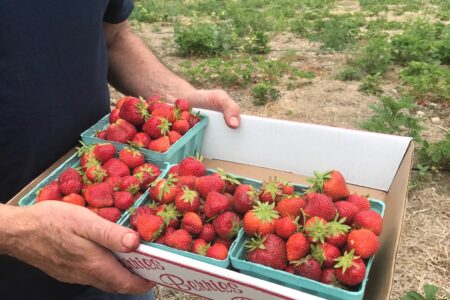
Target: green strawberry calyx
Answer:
pixel 189 195
pixel 318 181
pixel 317 230
pixel 345 261
pixel 337 227
pixel 256 242
pixel 265 212
pixel 227 177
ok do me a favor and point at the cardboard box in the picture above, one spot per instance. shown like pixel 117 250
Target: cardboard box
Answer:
pixel 374 164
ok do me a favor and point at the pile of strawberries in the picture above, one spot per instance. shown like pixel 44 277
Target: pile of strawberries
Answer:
pixel 324 234
pixel 191 210
pixel 152 124
pixel 103 183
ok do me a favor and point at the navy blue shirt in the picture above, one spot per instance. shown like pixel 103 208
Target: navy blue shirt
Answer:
pixel 53 85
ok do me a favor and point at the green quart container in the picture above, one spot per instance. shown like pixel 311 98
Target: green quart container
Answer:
pixel 188 145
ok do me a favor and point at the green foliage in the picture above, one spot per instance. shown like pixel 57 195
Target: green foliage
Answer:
pixel 263 93
pixel 350 73
pixel 375 57
pixel 429 290
pixel 435 155
pixel 371 85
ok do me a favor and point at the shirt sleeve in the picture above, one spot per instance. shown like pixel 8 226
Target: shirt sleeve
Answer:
pixel 118 11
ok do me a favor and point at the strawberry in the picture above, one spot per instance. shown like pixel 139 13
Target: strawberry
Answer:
pixel 209 183
pixel 329 277
pixel 87 160
pixel 200 246
pixel 231 182
pixel 360 201
pixel 140 140
pixel 156 127
pixel 153 98
pixel 349 269
pixel 217 251
pixel 145 209
pixel 297 246
pixel 96 173
pixel 308 267
pixel 325 254
pixel 116 167
pixel 163 237
pixel 146 173
pixel 288 188
pixel 123 200
pixel 208 233
pixel 261 219
pixel 182 104
pixel 268 250
pixel 285 227
pixel 173 170
pixel 192 223
pixel 93 209
pixel 49 192
pixel 155 103
pixel 164 111
pixel 114 115
pixel 161 144
pixel 114 181
pixel 346 210
pixel 270 191
pixel 369 219
pixel 320 205
pixel 134 110
pixel 187 200
pixel 120 102
pixel 331 183
pixel 74 199
pixel 169 214
pixel 245 196
pixel 290 206
pixel 185 115
pixel 215 204
pixel 363 241
pixel 69 174
pixel 129 128
pixel 180 239
pixel 70 182
pixel 316 229
pixel 130 184
pixel 191 166
pixel 103 151
pixel 194 119
pixel 163 190
pixel 337 233
pixel 227 225
pixel 109 213
pixel 149 226
pixel 289 269
pixel 174 136
pixel 226 243
pixel 99 194
pixel 187 181
pixel 120 131
pixel 181 126
pixel 131 157
pixel 101 134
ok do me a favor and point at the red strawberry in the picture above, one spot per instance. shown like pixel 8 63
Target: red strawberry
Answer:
pixel 70 182
pixel 269 250
pixel 309 268
pixel 244 198
pixel 325 254
pixel 289 269
pixel 174 136
pixel 153 98
pixel 109 213
pixel 360 201
pixel 121 131
pixel 217 251
pixel 149 226
pixel 226 243
pixel 116 167
pixel 173 170
pixel 346 210
pixel 194 119
pixel 164 111
pixel 350 270
pixel 156 127
pixel 200 246
pixel 101 134
pixel 146 173
pixel 231 182
pixel 129 128
pixel 99 194
pixel 103 151
pixel 96 173
pixel 191 166
pixel 123 200
pixel 316 229
pixel 215 204
pixel 130 184
pixel 163 237
pixel 114 116
pixel 192 223
pixel 288 188
pixel 145 209
pixel 181 126
pixel 154 103
pixel 114 181
pixel 134 110
pixel 337 233
pixel 93 209
pixel 185 115
pixel 182 104
pixel 180 239
pixel 209 183
pixel 187 200
pixel 369 219
pixel 120 102
pixel 74 199
pixel 261 219
pixel 169 214
pixel 329 277
pixel 140 140
pixel 271 191
pixel 208 233
pixel 161 144
pixel 50 192
pixel 297 246
pixel 285 227
pixel 320 205
pixel 187 181
pixel 87 160
pixel 227 225
pixel 163 190
pixel 69 174
pixel 331 183
pixel 363 241
pixel 291 207
pixel 131 157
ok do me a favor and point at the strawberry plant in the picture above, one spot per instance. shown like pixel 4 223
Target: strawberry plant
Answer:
pixel 430 292
pixel 263 93
pixel 371 85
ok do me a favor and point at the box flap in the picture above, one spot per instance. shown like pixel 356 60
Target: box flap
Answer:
pixel 365 158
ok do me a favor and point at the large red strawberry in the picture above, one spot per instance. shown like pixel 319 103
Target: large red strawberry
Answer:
pixel 325 254
pixel 331 183
pixel 191 166
pixel 231 182
pixel 268 250
pixel 115 166
pixel 227 225
pixel 149 226
pixel 182 104
pixel 363 241
pixel 369 219
pixel 187 200
pixel 174 136
pixel 140 140
pixel 200 246
pixel 145 209
pixel 320 205
pixel 163 190
pixel 49 192
pixel 181 126
pixel 194 119
pixel 101 134
pixel 134 110
pixel 130 184
pixel 337 233
pixel 103 151
pixel 192 223
pixel 346 210
pixel 74 199
pixel 109 213
pixel 120 102
pixel 156 127
pixel 96 173
pixel 360 201
pixel 209 183
pixel 131 157
pixel 146 173
pixel 329 277
pixel 180 239
pixel 99 194
pixel 161 144
pixel 217 251
pixel 123 200
pixel 350 270
pixel 316 229
pixel 261 219
pixel 215 204
pixel 297 246
pixel 208 233
pixel 163 237
pixel 187 181
pixel 114 181
pixel 244 198
pixel 285 227
pixel 129 128
pixel 164 110
pixel 308 267
pixel 70 181
pixel 271 191
pixel 114 115
pixel 292 207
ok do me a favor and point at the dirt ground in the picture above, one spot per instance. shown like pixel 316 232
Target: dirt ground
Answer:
pixel 423 254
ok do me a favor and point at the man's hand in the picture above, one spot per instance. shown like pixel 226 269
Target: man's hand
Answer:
pixel 217 100
pixel 72 244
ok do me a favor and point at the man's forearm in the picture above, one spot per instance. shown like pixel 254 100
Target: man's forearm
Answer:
pixel 135 70
pixel 8 226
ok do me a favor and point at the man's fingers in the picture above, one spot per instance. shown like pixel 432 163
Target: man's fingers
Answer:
pixel 231 114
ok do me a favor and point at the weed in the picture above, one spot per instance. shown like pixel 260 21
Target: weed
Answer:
pixel 371 85
pixel 429 290
pixel 375 57
pixel 435 156
pixel 263 93
pixel 350 73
